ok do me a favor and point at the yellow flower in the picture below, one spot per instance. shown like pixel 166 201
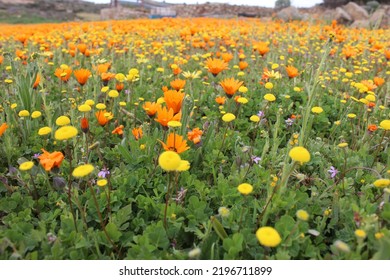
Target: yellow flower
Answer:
pixel 379 235
pixel 245 188
pixel 223 212
pixel 302 215
pixel 270 97
pixel 184 165
pixel 101 182
pixel 342 246
pixel 269 85
pixel 62 120
pixel 243 89
pixel 104 89
pixel 24 113
pixel 169 160
pixel 300 154
pixel 317 110
pixel 174 124
pixel 228 117
pixel 381 183
pixel 84 108
pixel 255 118
pixel 83 170
pixel 359 233
pixel 351 116
pixel 385 124
pixel 122 104
pixel 268 236
pixel 100 106
pixel 90 102
pixel 113 93
pixel 242 100
pixel 65 132
pixel 27 165
pixel 342 145
pixel 36 114
pixel 14 105
pixel 44 131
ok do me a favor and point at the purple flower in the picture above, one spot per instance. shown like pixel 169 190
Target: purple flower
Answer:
pixel 260 114
pixel 103 173
pixel 255 159
pixel 289 122
pixel 36 156
pixel 333 172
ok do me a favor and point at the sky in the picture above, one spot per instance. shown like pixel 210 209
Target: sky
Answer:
pixel 263 3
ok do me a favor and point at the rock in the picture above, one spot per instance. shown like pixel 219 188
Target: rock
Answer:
pixel 120 13
pixel 289 13
pixel 342 16
pixel 363 23
pixel 355 11
pixel 381 17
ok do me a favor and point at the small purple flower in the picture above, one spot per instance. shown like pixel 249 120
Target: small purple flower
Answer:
pixel 289 122
pixel 36 156
pixel 333 172
pixel 260 114
pixel 103 173
pixel 255 159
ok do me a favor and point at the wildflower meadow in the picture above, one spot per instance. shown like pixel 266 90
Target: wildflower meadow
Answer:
pixel 202 138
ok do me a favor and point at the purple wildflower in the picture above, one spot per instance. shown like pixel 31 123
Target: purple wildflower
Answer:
pixel 255 159
pixel 260 114
pixel 289 122
pixel 36 156
pixel 103 173
pixel 333 172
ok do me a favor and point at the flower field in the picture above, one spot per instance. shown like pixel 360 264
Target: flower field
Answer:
pixel 194 139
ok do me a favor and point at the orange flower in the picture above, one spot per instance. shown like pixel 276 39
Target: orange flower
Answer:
pixel 3 128
pixel 82 48
pixel 50 160
pixel 220 100
pixel 84 125
pixel 151 108
pixel 178 84
pixel 106 77
pixel 227 57
pixel 164 116
pixel 118 130
pixel 137 133
pixel 174 99
pixel 292 72
pixel 262 48
pixel 63 74
pixel 230 86
pixel 243 65
pixel 101 118
pixel 386 52
pixel 1 59
pixel 164 88
pixel 215 66
pixel 372 128
pixel 195 135
pixel 349 52
pixel 37 81
pixel 119 86
pixel 103 68
pixel 176 71
pixel 379 81
pixel 175 143
pixel 82 75
pixel 369 84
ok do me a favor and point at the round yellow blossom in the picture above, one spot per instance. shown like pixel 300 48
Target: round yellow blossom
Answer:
pixel 243 89
pixel 223 212
pixel 84 108
pixel 100 106
pixel 342 145
pixel 270 97
pixel 300 154
pixel 351 116
pixel 113 93
pixel 104 89
pixel 245 188
pixel 24 113
pixel 36 114
pixel 255 118
pixel 242 100
pixel 120 77
pixel 385 124
pixel 379 235
pixel 27 165
pixel 370 98
pixel 83 170
pixel 302 215
pixel 65 132
pixel 359 233
pixel 381 183
pixel 142 146
pixel 122 104
pixel 184 165
pixel 169 160
pixel 160 100
pixel 44 130
pixel 269 85
pixel 101 182
pixel 14 105
pixel 62 120
pixel 228 117
pixel 317 110
pixel 90 102
pixel 174 124
pixel 268 236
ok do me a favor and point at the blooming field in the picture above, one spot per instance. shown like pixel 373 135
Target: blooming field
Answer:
pixel 201 138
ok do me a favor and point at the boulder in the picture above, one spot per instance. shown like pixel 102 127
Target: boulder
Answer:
pixel 120 13
pixel 289 13
pixel 381 17
pixel 363 23
pixel 355 11
pixel 342 16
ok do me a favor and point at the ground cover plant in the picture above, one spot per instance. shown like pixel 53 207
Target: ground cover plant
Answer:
pixel 194 138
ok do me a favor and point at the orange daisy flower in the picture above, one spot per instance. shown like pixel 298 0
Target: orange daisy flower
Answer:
pixel 164 116
pixel 106 77
pixel 151 108
pixel 103 68
pixel 292 72
pixel 137 133
pixel 84 125
pixel 220 100
pixel 215 65
pixel 63 74
pixel 262 48
pixel 82 48
pixel 50 160
pixel 3 128
pixel 243 65
pixel 372 128
pixel 178 84
pixel 386 52
pixel 82 75
pixel 379 81
pixel 37 81
pixel 118 130
pixel 1 59
pixel 174 99
pixel 230 86
pixel 101 118
pixel 195 135
pixel 227 57
pixel 175 143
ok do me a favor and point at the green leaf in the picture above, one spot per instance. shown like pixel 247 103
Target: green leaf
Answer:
pixel 113 232
pixel 217 226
